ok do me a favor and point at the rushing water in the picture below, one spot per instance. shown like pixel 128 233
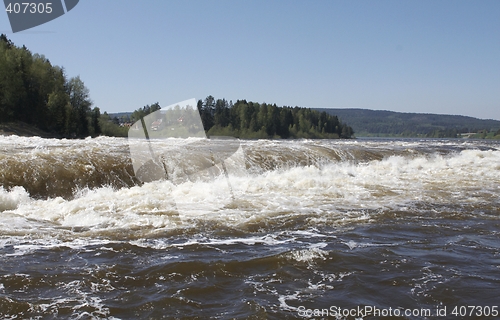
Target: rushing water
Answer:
pixel 406 225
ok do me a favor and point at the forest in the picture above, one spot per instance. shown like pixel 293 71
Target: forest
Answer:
pixel 252 120
pixel 381 123
pixel 37 93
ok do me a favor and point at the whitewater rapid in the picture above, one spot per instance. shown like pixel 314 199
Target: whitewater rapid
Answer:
pixel 281 227
pixel 329 182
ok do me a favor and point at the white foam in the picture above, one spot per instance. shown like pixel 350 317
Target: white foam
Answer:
pixel 336 193
pixel 353 244
pixel 10 200
pixel 21 246
pixel 266 240
pixel 308 255
pixel 283 299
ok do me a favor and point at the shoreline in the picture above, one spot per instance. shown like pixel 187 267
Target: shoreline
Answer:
pixel 24 130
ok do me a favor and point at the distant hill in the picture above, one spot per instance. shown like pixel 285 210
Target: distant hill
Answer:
pixel 367 122
pixel 120 114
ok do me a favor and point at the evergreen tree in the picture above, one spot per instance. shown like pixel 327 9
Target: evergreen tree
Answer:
pixel 94 123
pixel 37 93
pixel 253 120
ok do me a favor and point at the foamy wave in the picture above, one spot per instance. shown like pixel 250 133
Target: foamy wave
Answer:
pixel 10 200
pixel 331 194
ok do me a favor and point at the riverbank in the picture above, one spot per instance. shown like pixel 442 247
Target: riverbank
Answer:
pixel 24 130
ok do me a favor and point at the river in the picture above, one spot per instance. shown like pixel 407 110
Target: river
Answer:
pixel 290 229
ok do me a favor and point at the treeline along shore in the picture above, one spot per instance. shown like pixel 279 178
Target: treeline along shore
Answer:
pixel 38 95
pixel 261 120
pixel 252 120
pixel 38 99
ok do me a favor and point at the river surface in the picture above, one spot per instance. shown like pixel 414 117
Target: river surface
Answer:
pixel 289 229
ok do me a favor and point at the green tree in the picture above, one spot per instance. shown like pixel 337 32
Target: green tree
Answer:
pixel 79 99
pixel 13 93
pixel 57 104
pixel 207 110
pixel 95 127
pixel 254 120
pixel 35 92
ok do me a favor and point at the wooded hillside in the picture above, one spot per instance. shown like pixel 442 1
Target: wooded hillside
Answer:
pixel 388 123
pixel 35 92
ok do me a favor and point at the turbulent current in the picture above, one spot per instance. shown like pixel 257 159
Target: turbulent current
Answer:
pixel 288 229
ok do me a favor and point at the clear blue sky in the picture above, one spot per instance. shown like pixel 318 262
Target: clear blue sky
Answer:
pixel 409 56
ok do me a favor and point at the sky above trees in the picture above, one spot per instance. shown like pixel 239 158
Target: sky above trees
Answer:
pixel 408 56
